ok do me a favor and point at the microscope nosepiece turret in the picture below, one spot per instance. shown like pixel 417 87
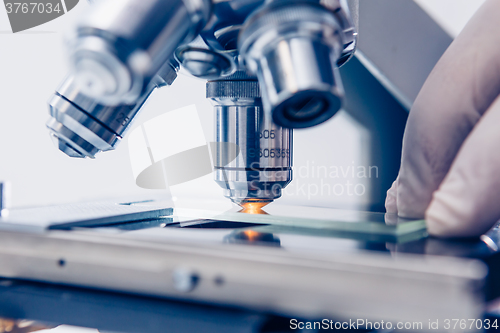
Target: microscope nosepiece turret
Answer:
pixel 272 65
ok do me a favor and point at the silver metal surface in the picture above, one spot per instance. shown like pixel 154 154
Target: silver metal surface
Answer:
pixel 313 285
pixel 121 45
pixel 263 167
pixel 4 199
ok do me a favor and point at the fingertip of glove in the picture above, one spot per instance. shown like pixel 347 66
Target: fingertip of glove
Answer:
pixel 448 216
pixel 438 224
pixel 391 204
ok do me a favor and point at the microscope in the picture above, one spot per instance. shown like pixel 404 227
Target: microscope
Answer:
pixel 270 65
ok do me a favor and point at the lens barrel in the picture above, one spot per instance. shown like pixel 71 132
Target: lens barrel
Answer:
pixel 293 48
pixel 263 167
pixel 120 46
pixel 82 127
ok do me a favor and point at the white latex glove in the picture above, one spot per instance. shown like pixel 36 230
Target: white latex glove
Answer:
pixel 450 168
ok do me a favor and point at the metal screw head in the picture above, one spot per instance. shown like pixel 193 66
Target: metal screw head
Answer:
pixel 4 199
pixel 185 280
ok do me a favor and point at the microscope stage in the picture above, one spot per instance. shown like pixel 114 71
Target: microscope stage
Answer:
pixel 288 260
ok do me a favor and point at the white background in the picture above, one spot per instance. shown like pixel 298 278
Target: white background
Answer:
pixel 33 63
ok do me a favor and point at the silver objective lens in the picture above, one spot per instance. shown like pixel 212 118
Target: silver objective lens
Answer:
pixel 263 167
pixel 121 45
pixel 81 127
pixel 293 47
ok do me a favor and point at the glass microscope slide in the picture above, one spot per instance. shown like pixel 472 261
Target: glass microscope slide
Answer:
pixel 312 218
pixel 38 219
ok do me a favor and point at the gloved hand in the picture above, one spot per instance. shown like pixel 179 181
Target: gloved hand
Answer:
pixel 450 168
